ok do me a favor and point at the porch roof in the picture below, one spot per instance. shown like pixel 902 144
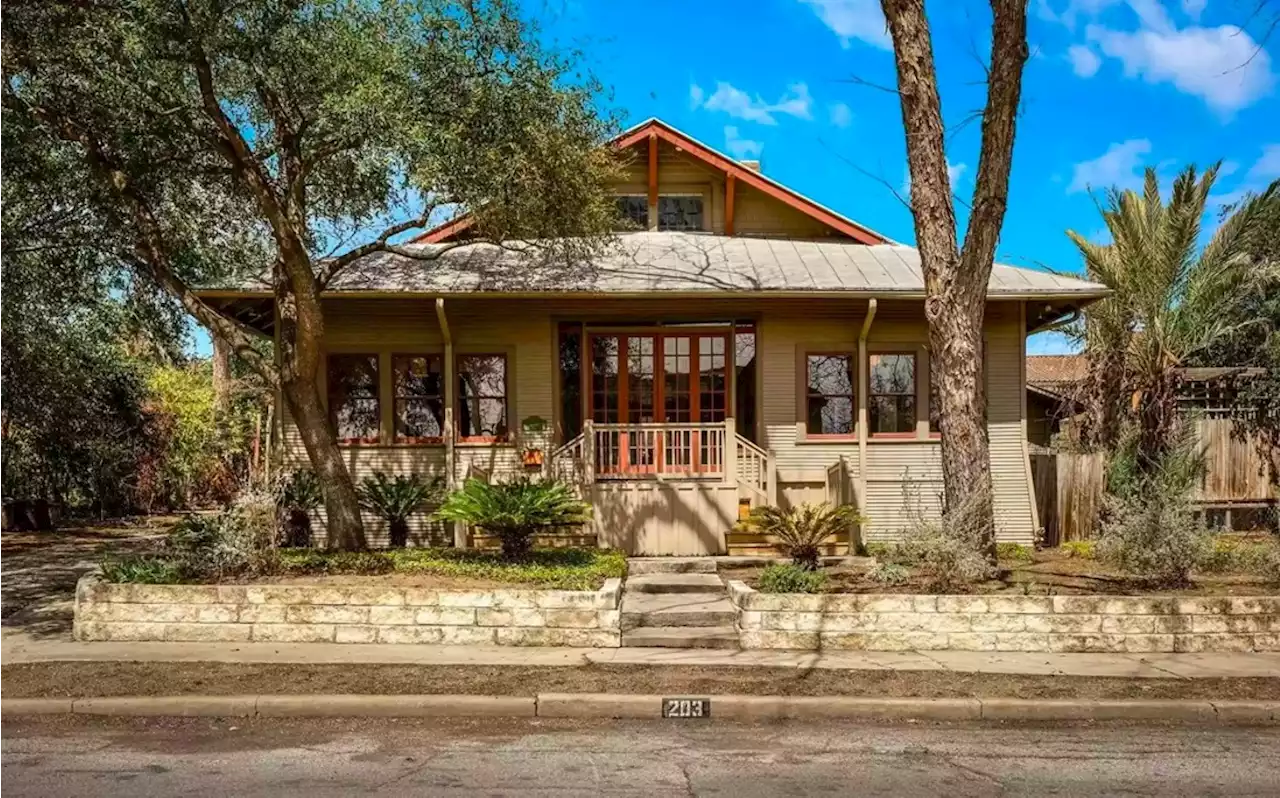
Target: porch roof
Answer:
pixel 680 263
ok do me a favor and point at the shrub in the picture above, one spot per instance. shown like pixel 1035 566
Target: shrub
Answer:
pixel 145 569
pixel 299 494
pixel 1155 535
pixel 1082 549
pixel 888 573
pixel 394 500
pixel 800 531
pixel 791 578
pixel 946 551
pixel 515 511
pixel 1015 552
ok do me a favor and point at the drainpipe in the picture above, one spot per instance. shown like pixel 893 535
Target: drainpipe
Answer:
pixel 863 382
pixel 450 467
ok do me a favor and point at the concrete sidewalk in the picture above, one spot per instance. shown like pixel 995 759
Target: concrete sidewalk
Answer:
pixel 19 647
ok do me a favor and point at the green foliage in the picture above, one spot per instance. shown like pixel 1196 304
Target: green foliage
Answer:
pixel 515 511
pixel 889 574
pixel 394 500
pixel 297 494
pixel 146 570
pixel 1082 549
pixel 790 578
pixel 800 531
pixel 1233 554
pixel 1014 552
pixel 946 551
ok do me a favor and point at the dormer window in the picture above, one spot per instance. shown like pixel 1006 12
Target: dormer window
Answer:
pixel 680 213
pixel 633 211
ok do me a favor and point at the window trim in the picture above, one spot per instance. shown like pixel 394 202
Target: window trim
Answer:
pixel 802 378
pixel 377 437
pixel 427 440
pixel 506 398
pixel 914 433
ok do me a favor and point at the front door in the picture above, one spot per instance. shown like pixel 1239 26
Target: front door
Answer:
pixel 670 378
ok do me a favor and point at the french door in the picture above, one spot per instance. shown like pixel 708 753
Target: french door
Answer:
pixel 677 379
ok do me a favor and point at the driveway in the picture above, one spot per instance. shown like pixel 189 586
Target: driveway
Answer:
pixel 40 569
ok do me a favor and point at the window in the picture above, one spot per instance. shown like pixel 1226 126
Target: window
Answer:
pixel 633 210
pixel 418 382
pixel 829 405
pixel 892 394
pixel 353 398
pixel 571 378
pixel 744 380
pixel 482 397
pixel 680 213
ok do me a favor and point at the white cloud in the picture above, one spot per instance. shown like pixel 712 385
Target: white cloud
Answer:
pixel 841 114
pixel 853 19
pixel 1084 62
pixel 1266 168
pixel 696 95
pixel 1072 12
pixel 1228 168
pixel 740 147
pixel 1224 66
pixel 1120 165
pixel 1193 8
pixel 740 105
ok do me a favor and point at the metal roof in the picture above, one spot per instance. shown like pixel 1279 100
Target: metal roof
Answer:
pixel 669 262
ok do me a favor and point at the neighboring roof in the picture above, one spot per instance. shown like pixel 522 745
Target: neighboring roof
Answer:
pixel 716 160
pixel 671 262
pixel 1056 374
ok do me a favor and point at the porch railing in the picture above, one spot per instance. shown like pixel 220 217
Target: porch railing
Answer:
pixel 659 450
pixel 756 471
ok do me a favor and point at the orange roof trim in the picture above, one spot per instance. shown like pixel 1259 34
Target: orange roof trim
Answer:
pixel 661 130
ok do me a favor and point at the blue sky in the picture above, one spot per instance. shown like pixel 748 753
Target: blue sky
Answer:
pixel 1111 87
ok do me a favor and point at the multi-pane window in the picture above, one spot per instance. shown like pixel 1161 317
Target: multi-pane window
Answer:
pixel 680 213
pixel 744 383
pixel 353 397
pixel 633 211
pixel 482 397
pixel 891 395
pixel 418 384
pixel 829 396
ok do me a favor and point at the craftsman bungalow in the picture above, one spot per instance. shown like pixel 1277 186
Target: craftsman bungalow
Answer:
pixel 747 346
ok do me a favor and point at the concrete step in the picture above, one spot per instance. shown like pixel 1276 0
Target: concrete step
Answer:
pixel 674 583
pixel 682 637
pixel 676 609
pixel 638 566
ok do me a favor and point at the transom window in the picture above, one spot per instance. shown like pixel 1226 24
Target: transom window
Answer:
pixel 482 397
pixel 891 394
pixel 418 385
pixel 680 213
pixel 829 396
pixel 353 397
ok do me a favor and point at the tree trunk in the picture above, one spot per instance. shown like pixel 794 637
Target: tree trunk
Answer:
pixel 221 374
pixel 956 279
pixel 301 334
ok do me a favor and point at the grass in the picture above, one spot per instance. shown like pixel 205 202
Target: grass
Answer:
pixel 556 569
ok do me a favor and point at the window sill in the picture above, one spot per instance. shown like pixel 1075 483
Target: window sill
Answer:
pixel 899 439
pixel 807 440
pixel 483 442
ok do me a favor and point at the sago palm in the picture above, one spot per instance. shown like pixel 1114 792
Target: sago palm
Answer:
pixel 1172 300
pixel 800 531
pixel 394 500
pixel 515 511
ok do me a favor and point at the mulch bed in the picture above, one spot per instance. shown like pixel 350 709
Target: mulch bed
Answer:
pixel 84 679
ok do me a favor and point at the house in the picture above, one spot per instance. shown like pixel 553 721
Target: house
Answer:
pixel 1238 487
pixel 745 346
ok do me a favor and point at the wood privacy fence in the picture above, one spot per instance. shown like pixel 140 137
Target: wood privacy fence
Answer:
pixel 1069 485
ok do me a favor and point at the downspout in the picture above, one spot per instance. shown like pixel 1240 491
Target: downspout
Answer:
pixel 861 484
pixel 450 467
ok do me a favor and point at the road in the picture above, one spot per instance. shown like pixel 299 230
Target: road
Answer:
pixel 111 758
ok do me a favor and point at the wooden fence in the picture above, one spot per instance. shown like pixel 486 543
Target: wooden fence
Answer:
pixel 1069 485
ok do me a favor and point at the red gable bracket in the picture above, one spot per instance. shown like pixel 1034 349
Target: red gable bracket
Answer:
pixel 703 153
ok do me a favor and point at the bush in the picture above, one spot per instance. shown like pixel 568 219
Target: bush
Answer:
pixel 394 500
pixel 1156 535
pixel 299 494
pixel 801 531
pixel 889 574
pixel 946 551
pixel 1231 554
pixel 1082 549
pixel 515 511
pixel 1015 552
pixel 791 578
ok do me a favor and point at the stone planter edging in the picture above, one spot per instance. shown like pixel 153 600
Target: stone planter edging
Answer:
pixel 1094 624
pixel 347 614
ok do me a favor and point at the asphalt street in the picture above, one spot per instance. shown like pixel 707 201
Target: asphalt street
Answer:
pixel 138 758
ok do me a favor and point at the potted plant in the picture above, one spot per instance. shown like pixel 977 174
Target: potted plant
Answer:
pixel 515 511
pixel 532 456
pixel 299 494
pixel 394 500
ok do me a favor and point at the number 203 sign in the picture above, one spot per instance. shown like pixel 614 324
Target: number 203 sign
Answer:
pixel 683 708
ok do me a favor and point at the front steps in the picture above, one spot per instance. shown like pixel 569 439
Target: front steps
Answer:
pixel 676 603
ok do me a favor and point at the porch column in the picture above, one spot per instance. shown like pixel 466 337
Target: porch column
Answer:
pixel 588 451
pixel 450 466
pixel 864 385
pixel 730 456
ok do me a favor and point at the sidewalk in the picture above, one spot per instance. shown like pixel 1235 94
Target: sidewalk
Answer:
pixel 19 647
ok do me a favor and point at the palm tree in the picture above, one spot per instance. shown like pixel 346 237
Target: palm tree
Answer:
pixel 1172 301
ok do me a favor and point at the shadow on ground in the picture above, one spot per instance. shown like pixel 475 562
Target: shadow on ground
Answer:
pixel 40 569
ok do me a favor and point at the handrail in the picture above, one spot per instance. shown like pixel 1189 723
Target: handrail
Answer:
pixel 754 467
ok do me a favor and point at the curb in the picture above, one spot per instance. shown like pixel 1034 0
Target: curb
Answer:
pixel 612 705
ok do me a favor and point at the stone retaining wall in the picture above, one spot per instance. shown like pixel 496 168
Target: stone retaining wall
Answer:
pixel 1006 623
pixel 347 614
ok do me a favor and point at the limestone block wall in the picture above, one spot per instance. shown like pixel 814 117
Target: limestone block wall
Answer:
pixel 1096 624
pixel 347 614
